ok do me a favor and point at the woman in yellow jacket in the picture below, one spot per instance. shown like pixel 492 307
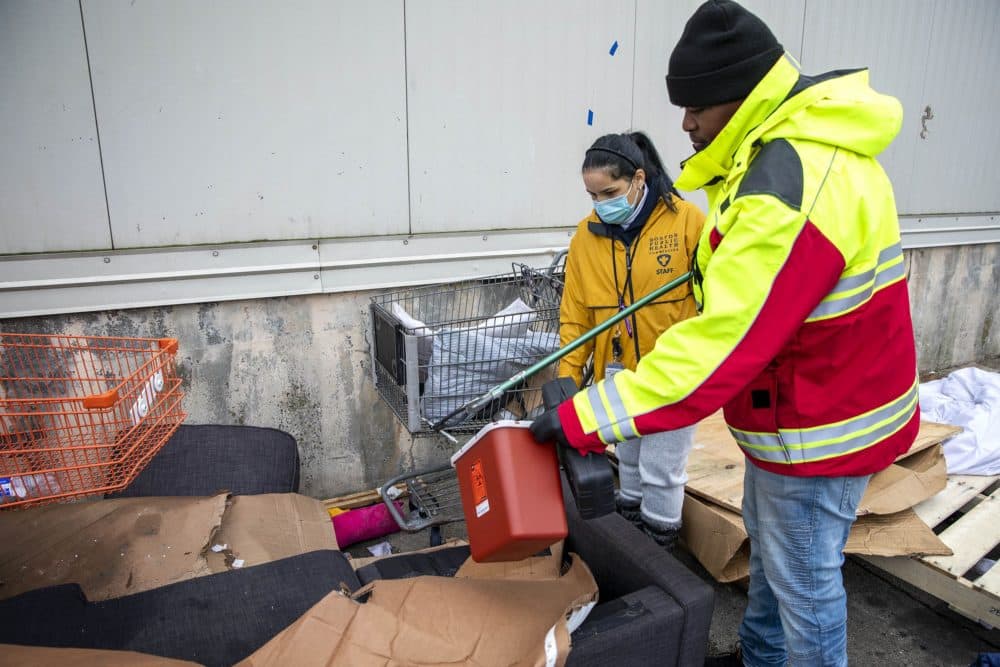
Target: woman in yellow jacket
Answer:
pixel 640 235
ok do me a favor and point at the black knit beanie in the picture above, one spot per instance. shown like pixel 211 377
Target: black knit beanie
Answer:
pixel 723 53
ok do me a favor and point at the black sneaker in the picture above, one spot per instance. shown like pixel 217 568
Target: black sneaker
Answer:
pixel 726 660
pixel 734 659
pixel 665 538
pixel 630 513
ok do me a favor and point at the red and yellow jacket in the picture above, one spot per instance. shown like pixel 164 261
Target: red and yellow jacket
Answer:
pixel 805 337
pixel 601 269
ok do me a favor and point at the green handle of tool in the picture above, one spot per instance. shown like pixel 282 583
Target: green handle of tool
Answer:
pixel 477 404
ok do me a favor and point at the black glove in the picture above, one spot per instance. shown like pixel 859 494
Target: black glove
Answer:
pixel 547 429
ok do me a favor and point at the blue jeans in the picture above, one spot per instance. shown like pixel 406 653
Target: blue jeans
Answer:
pixel 797 608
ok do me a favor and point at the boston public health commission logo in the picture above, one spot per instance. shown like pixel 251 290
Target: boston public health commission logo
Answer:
pixel 663 260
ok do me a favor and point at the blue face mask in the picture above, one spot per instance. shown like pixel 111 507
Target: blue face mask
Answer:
pixel 616 210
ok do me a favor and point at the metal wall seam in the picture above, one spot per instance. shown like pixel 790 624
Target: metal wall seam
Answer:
pixel 32 285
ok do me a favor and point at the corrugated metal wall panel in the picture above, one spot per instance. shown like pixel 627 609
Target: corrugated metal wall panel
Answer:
pixel 498 100
pixel 956 161
pixel 890 38
pixel 51 194
pixel 498 96
pixel 240 121
pixel 940 59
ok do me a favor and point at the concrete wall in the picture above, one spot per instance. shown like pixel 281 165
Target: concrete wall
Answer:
pixel 955 299
pixel 302 363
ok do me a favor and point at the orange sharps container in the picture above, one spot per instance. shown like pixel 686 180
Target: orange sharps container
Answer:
pixel 511 493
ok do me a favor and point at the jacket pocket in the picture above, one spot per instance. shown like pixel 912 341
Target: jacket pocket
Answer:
pixel 755 407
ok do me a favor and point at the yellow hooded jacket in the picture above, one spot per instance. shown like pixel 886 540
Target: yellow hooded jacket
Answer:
pixel 601 271
pixel 804 336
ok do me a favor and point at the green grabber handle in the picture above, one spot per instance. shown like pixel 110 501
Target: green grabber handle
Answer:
pixel 477 404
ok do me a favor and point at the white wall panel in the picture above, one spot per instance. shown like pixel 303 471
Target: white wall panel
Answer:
pixel 498 101
pixel 51 194
pixel 239 121
pixel 658 27
pixel 891 38
pixel 955 166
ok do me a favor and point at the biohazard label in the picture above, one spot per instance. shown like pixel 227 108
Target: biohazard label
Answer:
pixel 478 478
pixel 478 482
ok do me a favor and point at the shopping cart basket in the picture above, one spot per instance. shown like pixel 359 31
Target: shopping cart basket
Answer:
pixel 437 347
pixel 82 415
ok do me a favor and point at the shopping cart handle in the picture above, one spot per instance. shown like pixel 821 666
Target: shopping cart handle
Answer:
pixel 591 479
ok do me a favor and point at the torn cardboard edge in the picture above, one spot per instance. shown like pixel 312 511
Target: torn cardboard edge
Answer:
pixel 477 621
pixel 358 563
pixel 43 656
pixel 121 546
pixel 547 566
pixel 717 537
pixel 906 483
pixel 263 528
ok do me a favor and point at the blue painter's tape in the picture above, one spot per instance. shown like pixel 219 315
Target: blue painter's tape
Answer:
pixel 614 48
pixel 590 116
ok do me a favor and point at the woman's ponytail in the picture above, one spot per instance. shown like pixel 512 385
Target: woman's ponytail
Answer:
pixel 655 170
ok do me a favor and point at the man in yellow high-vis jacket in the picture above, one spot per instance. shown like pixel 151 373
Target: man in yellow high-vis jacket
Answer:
pixel 804 335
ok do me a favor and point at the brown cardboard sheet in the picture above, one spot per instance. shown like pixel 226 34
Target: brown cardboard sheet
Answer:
pixel 42 656
pixel 906 482
pixel 437 620
pixel 717 538
pixel 122 546
pixel 262 528
pixel 110 548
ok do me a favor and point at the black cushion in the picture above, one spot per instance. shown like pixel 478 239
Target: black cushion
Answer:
pixel 623 560
pixel 214 620
pixel 440 563
pixel 202 460
pixel 641 628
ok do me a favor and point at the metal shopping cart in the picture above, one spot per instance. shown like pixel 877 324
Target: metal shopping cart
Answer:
pixel 468 406
pixel 82 415
pixel 437 348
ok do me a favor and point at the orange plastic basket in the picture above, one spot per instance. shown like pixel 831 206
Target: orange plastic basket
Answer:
pixel 82 415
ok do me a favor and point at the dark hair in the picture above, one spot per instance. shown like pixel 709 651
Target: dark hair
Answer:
pixel 623 154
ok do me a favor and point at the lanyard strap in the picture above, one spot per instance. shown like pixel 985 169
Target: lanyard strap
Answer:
pixel 627 286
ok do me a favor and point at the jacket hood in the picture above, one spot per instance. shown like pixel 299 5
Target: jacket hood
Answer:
pixel 837 108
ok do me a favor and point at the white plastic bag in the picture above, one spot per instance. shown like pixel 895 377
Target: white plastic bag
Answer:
pixel 425 337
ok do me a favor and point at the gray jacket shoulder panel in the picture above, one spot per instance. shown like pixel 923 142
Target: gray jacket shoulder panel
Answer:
pixel 777 171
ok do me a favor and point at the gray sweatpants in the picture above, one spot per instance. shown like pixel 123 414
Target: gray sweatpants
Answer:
pixel 652 473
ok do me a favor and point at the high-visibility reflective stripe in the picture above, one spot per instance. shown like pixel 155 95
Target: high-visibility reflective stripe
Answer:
pixel 801 446
pixel 851 282
pixel 875 278
pixel 625 424
pixel 604 429
pixel 606 422
pixel 858 443
pixel 811 436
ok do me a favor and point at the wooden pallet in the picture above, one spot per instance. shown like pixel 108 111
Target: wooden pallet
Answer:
pixel 972 504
